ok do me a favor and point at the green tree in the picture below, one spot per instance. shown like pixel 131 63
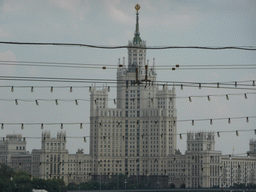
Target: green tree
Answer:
pixel 51 185
pixel 121 179
pixel 91 185
pixel 6 176
pixel 39 183
pixel 55 185
pixel 22 181
pixel 111 185
pixel 73 186
pixel 172 186
pixel 182 186
pixel 251 186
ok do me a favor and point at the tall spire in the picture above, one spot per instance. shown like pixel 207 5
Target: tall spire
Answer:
pixel 137 39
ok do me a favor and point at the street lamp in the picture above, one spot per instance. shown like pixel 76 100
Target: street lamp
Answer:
pixel 99 163
pixel 137 180
pixel 125 181
pixel 138 168
pixel 100 180
pixel 117 176
pixel 11 179
pixel 157 181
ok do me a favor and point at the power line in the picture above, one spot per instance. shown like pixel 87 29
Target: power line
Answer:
pixel 208 68
pixel 121 65
pixel 233 83
pixel 230 85
pixel 109 66
pixel 247 48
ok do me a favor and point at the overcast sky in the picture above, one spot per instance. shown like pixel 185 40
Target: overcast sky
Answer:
pixel 162 23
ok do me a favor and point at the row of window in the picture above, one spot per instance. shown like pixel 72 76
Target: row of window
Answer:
pixel 20 147
pixel 55 144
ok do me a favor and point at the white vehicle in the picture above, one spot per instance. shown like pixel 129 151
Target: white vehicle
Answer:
pixel 39 190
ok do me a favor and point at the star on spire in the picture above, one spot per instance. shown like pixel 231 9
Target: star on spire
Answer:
pixel 137 7
pixel 137 39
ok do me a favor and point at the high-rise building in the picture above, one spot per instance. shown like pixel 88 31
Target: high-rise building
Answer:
pixel 128 138
pixel 138 138
pixel 51 160
pixel 203 161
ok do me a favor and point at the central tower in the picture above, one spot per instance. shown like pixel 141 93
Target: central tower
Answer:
pixel 138 76
pixel 137 48
pixel 140 133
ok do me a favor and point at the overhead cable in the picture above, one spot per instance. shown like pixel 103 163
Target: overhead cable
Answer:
pixel 231 85
pixel 111 66
pixel 247 48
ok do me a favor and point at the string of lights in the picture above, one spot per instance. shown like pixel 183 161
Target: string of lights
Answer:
pixel 227 96
pixel 101 124
pixel 76 101
pixel 246 48
pixel 32 87
pixel 143 136
pixel 71 88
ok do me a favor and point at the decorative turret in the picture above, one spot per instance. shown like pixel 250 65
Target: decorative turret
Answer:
pixel 200 141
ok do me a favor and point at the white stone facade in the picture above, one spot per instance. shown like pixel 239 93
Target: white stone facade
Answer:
pixel 51 160
pixel 13 153
pixel 141 128
pixel 200 166
pixel 139 137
